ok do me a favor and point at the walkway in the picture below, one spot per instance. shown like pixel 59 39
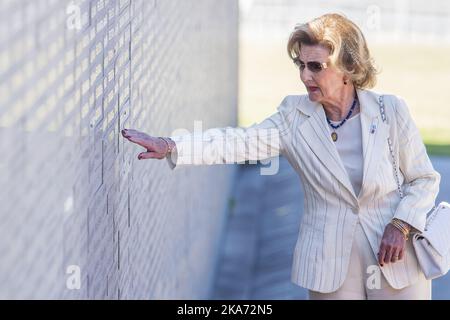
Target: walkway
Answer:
pixel 263 227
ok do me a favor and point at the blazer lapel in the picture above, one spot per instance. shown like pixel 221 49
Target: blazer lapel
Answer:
pixel 374 136
pixel 317 135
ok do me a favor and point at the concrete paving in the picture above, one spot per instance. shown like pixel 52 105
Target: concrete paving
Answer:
pixel 262 231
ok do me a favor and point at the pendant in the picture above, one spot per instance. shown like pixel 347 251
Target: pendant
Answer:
pixel 334 136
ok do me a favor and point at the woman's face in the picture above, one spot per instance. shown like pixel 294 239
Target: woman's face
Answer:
pixel 324 85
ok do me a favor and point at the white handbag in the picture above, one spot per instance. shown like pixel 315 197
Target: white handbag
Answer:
pixel 432 246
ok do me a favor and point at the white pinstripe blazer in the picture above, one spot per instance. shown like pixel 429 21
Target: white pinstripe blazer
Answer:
pixel 331 207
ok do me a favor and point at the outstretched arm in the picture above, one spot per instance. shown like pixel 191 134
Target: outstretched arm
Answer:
pixel 225 145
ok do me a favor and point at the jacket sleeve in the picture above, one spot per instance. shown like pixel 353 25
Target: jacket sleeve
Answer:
pixel 421 181
pixel 230 145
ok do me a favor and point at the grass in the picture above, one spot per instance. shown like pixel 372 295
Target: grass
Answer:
pixel 436 141
pixel 438 149
pixel 419 74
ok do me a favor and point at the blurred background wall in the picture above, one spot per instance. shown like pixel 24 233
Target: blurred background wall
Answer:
pixel 80 216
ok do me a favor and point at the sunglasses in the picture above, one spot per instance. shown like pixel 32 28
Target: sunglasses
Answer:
pixel 313 66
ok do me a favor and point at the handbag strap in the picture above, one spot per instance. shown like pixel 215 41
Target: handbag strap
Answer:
pixel 391 149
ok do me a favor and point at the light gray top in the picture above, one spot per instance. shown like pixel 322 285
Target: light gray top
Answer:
pixel 349 146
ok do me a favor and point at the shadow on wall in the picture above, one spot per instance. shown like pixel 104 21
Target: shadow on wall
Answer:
pixel 80 216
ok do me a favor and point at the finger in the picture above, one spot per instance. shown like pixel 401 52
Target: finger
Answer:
pixel 131 133
pixel 381 255
pixel 148 155
pixel 139 138
pixel 401 253
pixel 395 255
pixel 125 132
pixel 142 142
pixel 388 256
pixel 128 134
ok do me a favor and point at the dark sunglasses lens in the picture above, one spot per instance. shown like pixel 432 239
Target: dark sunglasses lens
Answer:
pixel 314 66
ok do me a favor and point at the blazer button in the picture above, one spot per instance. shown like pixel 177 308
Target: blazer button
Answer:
pixel 355 210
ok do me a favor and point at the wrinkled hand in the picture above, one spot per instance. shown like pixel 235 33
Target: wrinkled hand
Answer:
pixel 392 247
pixel 156 148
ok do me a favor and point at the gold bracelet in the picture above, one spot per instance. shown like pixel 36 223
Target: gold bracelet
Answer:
pixel 406 226
pixel 400 226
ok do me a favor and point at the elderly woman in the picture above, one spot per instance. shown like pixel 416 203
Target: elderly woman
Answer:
pixel 353 240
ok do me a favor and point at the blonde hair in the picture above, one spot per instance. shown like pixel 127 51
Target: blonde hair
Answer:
pixel 346 42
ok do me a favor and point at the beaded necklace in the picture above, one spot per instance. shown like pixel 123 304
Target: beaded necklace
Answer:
pixel 334 134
